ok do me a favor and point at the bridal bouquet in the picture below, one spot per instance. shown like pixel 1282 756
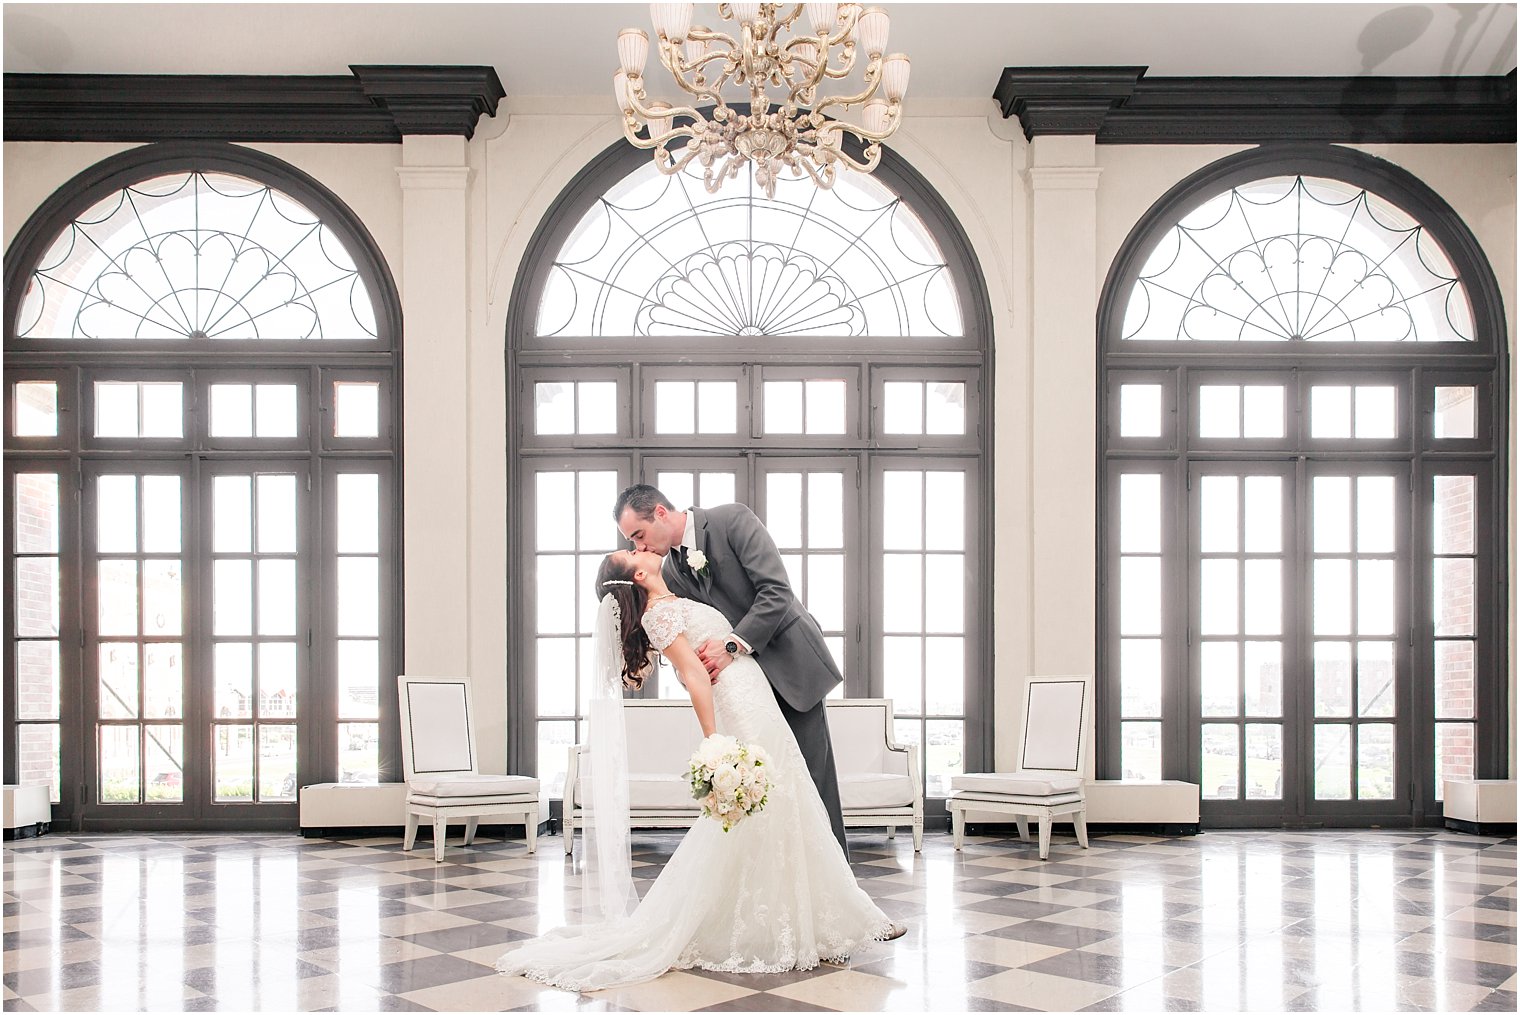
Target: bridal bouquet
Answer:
pixel 729 778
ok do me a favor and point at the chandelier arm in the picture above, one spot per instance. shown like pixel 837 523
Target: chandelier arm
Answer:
pixel 846 65
pixel 871 153
pixel 852 13
pixel 697 66
pixel 873 82
pixel 701 33
pixel 636 95
pixel 662 140
pixel 838 127
pixel 671 165
pixel 725 50
pixel 690 87
pixel 822 178
pixel 788 19
pixel 805 88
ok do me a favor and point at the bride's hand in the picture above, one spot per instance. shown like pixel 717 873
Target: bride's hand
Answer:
pixel 714 656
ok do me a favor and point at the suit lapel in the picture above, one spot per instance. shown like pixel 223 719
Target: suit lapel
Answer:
pixel 675 578
pixel 699 518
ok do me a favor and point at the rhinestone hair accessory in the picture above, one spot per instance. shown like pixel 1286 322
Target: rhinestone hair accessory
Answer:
pixel 616 581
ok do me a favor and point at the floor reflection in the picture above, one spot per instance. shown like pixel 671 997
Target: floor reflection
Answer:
pixel 1237 920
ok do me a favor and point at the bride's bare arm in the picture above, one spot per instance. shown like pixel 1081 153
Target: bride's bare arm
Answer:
pixel 694 676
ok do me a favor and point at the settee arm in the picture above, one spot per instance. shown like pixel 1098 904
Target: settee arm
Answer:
pixel 907 756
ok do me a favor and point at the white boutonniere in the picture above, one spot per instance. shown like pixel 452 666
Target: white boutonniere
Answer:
pixel 698 562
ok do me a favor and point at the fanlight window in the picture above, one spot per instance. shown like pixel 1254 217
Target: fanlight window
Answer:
pixel 197 256
pixel 658 255
pixel 1298 259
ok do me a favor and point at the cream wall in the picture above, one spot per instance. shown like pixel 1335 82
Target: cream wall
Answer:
pixel 1061 224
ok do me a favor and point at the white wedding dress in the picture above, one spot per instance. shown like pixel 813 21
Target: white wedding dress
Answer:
pixel 773 893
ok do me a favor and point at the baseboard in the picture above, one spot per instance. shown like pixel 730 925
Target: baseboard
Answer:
pixel 27 831
pixel 1499 828
pixel 1008 829
pixel 424 831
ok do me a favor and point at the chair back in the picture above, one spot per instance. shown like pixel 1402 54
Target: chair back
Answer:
pixel 1055 724
pixel 860 730
pixel 662 733
pixel 437 726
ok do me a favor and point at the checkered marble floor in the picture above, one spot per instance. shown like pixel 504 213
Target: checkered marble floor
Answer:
pixel 1225 921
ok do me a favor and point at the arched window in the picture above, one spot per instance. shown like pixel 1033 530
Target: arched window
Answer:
pixel 201 354
pixel 1302 494
pixel 818 356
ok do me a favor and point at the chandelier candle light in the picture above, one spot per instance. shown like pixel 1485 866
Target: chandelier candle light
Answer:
pixel 793 132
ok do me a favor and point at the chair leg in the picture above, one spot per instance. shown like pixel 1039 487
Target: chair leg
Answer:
pixel 530 829
pixel 569 833
pixel 470 824
pixel 411 831
pixel 1079 819
pixel 891 831
pixel 918 833
pixel 440 832
pixel 1044 836
pixel 957 827
pixel 1022 824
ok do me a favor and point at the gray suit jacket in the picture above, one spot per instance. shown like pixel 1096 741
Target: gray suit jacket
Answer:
pixel 747 583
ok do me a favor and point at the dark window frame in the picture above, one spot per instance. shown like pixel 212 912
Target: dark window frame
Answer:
pixel 1483 362
pixel 972 352
pixel 77 361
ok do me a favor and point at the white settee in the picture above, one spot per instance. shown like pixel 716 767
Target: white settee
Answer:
pixel 879 782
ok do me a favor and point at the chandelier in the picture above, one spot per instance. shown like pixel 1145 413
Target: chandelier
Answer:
pixel 789 132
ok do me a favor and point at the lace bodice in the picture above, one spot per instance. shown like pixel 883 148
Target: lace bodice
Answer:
pixel 670 618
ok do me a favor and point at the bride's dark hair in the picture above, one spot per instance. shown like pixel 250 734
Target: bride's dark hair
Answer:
pixel 615 577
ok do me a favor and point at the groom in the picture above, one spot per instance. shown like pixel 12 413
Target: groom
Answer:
pixel 725 558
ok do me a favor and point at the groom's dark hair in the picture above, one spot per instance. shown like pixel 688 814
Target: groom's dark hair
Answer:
pixel 643 498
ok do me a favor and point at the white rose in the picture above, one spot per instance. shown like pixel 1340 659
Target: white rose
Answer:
pixel 697 559
pixel 725 782
pixel 713 749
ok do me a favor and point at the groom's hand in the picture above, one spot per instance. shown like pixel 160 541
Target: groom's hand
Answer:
pixel 714 656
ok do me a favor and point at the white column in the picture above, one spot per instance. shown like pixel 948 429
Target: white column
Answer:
pixel 1063 180
pixel 434 299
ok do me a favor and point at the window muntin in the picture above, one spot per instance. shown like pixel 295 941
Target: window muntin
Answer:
pixel 660 256
pixel 1300 259
pixel 197 256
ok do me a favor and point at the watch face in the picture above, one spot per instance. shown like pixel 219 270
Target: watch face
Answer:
pixel 731 647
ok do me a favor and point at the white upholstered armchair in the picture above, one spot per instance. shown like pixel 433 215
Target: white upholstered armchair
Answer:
pixel 1048 783
pixel 438 755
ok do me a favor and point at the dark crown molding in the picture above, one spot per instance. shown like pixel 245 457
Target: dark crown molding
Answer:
pixel 377 105
pixel 1121 106
pixel 1064 100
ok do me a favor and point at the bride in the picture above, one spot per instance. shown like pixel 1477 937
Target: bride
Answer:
pixel 773 893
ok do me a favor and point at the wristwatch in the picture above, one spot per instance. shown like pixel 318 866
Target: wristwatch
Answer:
pixel 731 647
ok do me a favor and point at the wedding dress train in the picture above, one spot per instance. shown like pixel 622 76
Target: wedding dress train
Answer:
pixel 773 893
